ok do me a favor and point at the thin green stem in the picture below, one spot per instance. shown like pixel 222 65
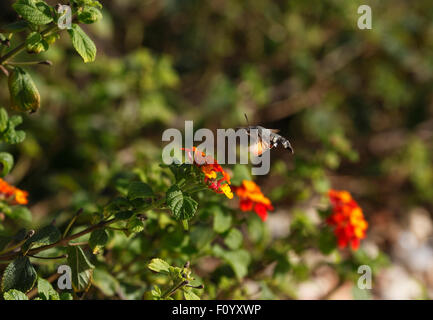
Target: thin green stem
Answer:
pixel 74 218
pixel 62 242
pixel 49 258
pixel 28 63
pixel 173 289
pixel 19 244
pixel 12 53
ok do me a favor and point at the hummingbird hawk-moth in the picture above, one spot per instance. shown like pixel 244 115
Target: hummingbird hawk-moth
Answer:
pixel 266 139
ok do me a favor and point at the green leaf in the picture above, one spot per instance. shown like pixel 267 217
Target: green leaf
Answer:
pixel 87 3
pixel 327 241
pixel 3 119
pixel 81 268
pixel 46 290
pixel 201 236
pixel 234 238
pixel 156 293
pixel 24 94
pixel 138 190
pixel 237 259
pixel 124 215
pixel 14 137
pixel 7 128
pixel 189 295
pixel 105 282
pixel 118 204
pixel 14 27
pixel 37 13
pixel 159 265
pixel 66 296
pixel 35 43
pixel 45 236
pixel 15 295
pixel 33 38
pixel 222 220
pixel 82 43
pixel 21 213
pixel 6 163
pixel 182 206
pixel 134 225
pixel 89 15
pixel 240 172
pixel 20 275
pixel 98 239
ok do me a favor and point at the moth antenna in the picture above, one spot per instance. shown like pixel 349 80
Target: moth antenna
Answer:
pixel 248 123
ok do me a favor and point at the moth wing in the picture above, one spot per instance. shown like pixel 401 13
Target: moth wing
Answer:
pixel 275 130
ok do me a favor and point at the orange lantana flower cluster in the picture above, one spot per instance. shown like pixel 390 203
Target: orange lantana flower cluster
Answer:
pixel 219 183
pixel 12 194
pixel 347 219
pixel 252 198
pixel 218 180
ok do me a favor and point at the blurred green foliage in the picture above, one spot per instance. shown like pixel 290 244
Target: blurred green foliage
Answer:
pixel 356 104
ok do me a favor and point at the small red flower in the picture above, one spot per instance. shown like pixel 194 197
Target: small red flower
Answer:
pixel 12 194
pixel 211 169
pixel 347 219
pixel 252 198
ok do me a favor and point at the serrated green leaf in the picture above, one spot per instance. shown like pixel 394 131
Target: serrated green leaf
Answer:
pixel 138 190
pixel 46 290
pixel 6 163
pixel 190 295
pixel 37 13
pixel 15 295
pixel 89 15
pixel 159 265
pixel 134 225
pixel 82 43
pixel 45 236
pixel 19 274
pixel 98 239
pixel 23 92
pixel 183 207
pixel 81 268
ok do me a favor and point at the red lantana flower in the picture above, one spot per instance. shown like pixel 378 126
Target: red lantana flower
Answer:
pixel 347 219
pixel 252 198
pixel 12 194
pixel 215 177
